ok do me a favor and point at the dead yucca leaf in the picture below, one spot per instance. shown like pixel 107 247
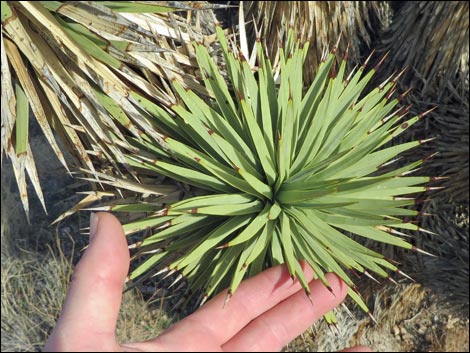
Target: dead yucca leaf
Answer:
pixel 319 22
pixel 81 67
pixel 430 38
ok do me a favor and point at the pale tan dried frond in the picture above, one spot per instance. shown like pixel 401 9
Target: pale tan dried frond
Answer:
pixel 320 22
pixel 83 66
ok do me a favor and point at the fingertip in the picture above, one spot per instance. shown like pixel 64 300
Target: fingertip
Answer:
pixel 337 286
pixel 106 221
pixel 92 304
pixel 109 241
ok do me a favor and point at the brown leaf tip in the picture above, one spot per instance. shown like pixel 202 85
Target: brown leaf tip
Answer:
pixel 404 94
pixel 223 246
pixel 420 116
pixel 376 68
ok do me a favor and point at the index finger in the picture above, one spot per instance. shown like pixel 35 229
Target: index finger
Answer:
pixel 88 319
pixel 253 297
pixel 278 326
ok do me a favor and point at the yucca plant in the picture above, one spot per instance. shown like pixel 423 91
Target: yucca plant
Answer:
pixel 279 172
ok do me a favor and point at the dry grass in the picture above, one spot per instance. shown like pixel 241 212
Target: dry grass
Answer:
pixel 38 259
pixel 33 289
pixel 410 319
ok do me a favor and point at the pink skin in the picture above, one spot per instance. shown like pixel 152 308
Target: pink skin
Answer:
pixel 267 311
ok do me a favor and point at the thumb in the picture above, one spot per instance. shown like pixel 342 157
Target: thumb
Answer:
pixel 88 319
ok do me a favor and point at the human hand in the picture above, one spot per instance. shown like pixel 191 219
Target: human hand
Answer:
pixel 267 311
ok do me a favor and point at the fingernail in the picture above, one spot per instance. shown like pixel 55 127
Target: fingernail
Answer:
pixel 94 219
pixel 336 284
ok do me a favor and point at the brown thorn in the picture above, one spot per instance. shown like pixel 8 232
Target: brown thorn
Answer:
pixel 163 270
pixel 404 94
pixel 407 109
pixel 410 171
pixel 227 297
pixel 346 52
pixel 204 299
pixel 333 70
pixel 350 314
pixel 421 201
pixel 432 179
pixel 425 159
pixel 179 278
pixel 335 48
pixel 333 328
pixel 355 273
pixel 422 213
pixel 330 290
pixel 433 188
pixel 371 277
pixel 392 261
pixel 397 77
pixel 372 318
pixel 309 296
pixel 405 275
pixel 376 68
pixel 224 246
pixel 367 60
pixel 420 116
pixel 135 245
pixel 414 248
pixel 398 198
pixel 427 140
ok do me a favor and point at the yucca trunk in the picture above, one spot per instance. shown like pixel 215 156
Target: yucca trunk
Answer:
pixel 430 39
pixel 320 23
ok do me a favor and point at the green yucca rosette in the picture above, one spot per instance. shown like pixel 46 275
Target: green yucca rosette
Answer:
pixel 284 173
